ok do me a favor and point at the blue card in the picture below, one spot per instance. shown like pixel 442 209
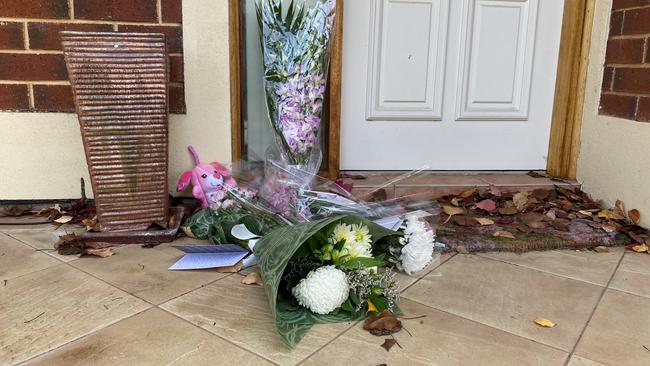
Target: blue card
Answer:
pixel 209 256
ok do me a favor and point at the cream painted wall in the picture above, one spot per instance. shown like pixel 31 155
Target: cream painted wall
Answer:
pixel 41 154
pixel 614 153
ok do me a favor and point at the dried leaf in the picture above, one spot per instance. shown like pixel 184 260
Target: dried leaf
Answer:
pixel 641 248
pixel 388 344
pixel 467 193
pixel 461 249
pixel 452 210
pixel 601 249
pixel 187 231
pixel 508 210
pixel 456 201
pixel 487 205
pixel 465 221
pixel 609 214
pixel 252 278
pixel 103 252
pixel 16 210
pixel 635 216
pixel 484 221
pixel 372 308
pixel 541 194
pixel 63 219
pixel 520 199
pixel 504 234
pixel 620 207
pixel 382 324
pixel 232 269
pixel 91 224
pixel 544 322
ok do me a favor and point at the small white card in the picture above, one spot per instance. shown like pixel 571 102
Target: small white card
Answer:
pixel 208 256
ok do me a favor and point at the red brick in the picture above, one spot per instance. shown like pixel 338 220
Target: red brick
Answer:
pixel 625 51
pixel 624 4
pixel 53 98
pixel 42 9
pixel 636 21
pixel 171 11
pixel 127 10
pixel 14 97
pixel 622 106
pixel 45 36
pixel 608 74
pixel 632 80
pixel 176 68
pixel 32 67
pixel 176 99
pixel 643 112
pixel 616 23
pixel 11 36
pixel 173 33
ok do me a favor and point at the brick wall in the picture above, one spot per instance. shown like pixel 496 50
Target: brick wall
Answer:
pixel 33 76
pixel 626 79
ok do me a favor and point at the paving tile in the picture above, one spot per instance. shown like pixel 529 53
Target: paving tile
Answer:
pixel 420 193
pixel 44 237
pixel 581 361
pixel 46 309
pixel 143 272
pixel 153 337
pixel 618 331
pixel 633 275
pixel 509 297
pixel 437 339
pixel 240 313
pixel 370 180
pixel 366 193
pixel 516 179
pixel 588 266
pixel 442 180
pixel 17 259
pixel 405 280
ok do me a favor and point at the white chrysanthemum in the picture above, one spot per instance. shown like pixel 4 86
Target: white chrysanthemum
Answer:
pixel 359 245
pixel 418 251
pixel 342 232
pixel 323 290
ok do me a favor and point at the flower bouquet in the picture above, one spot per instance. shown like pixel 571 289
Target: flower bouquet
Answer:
pixel 295 45
pixel 326 271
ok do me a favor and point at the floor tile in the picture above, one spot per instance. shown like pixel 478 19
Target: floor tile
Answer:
pixel 581 361
pixel 509 297
pixel 438 338
pixel 516 179
pixel 618 331
pixel 45 309
pixel 17 259
pixel 633 275
pixel 168 248
pixel 144 273
pixel 44 237
pixel 240 313
pixel 407 280
pixel 370 180
pixel 424 193
pixel 367 193
pixel 153 337
pixel 583 265
pixel 441 180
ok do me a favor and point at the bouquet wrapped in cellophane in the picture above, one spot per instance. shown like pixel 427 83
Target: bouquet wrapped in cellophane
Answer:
pixel 295 46
pixel 337 270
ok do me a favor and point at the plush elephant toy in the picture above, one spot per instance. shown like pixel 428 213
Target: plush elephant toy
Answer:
pixel 210 182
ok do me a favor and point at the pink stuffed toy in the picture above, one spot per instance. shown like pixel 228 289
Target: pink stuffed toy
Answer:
pixel 210 182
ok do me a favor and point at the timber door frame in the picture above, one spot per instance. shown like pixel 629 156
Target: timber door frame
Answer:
pixel 567 106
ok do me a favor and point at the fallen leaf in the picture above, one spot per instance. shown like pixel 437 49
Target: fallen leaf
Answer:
pixel 520 199
pixel 467 193
pixel 635 216
pixel 504 234
pixel 452 210
pixel 102 253
pixel 609 214
pixel 585 213
pixel 388 344
pixel 601 249
pixel 620 207
pixel 541 194
pixel 252 278
pixel 551 214
pixel 487 205
pixel 371 307
pixel 464 221
pixel 187 231
pixel 484 221
pixel 91 224
pixel 544 322
pixel 456 201
pixel 641 248
pixel 462 249
pixel 63 219
pixel 231 269
pixel 18 210
pixel 382 324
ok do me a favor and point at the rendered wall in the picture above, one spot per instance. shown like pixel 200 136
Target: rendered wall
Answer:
pixel 614 160
pixel 41 154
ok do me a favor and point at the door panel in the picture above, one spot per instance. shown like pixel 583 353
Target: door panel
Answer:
pixel 455 85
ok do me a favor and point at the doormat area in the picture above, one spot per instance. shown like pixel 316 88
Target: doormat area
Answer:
pixel 542 219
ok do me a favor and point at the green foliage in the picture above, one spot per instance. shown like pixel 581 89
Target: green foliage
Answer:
pixel 217 227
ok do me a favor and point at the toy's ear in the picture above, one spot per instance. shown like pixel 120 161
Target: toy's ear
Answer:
pixel 221 169
pixel 183 181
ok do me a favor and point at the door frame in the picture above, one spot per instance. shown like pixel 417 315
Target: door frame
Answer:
pixel 566 121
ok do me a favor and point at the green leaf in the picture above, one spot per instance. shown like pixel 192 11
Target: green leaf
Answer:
pixel 362 262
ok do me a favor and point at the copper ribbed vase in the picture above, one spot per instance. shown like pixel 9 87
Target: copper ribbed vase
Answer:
pixel 119 84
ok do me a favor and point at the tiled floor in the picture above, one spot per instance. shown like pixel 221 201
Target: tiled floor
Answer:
pixel 471 310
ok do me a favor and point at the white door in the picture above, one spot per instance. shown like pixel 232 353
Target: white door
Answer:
pixel 452 84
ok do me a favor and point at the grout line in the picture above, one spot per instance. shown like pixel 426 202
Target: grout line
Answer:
pixel 628 293
pixel 354 324
pixel 487 325
pixel 115 27
pixel 71 8
pixel 86 21
pixel 30 92
pixel 25 36
pixel 39 82
pixel 159 11
pixel 33 52
pixel 429 272
pixel 629 66
pixel 600 299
